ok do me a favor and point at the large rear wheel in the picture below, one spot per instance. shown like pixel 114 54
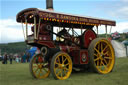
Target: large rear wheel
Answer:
pixel 61 66
pixel 38 68
pixel 101 55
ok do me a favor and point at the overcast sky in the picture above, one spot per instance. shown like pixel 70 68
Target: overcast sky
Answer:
pixel 11 31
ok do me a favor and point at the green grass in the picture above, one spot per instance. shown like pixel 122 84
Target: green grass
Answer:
pixel 18 74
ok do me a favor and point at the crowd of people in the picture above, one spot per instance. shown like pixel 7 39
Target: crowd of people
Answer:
pixel 18 58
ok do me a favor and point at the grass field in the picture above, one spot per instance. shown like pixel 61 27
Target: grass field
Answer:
pixel 18 74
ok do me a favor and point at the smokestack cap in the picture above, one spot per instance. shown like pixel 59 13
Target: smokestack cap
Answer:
pixel 49 4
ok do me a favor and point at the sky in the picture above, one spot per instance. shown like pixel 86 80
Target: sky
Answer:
pixel 11 31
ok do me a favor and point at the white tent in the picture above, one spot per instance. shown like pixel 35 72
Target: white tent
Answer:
pixel 120 50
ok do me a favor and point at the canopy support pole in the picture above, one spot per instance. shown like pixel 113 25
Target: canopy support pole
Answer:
pixel 72 32
pixel 97 31
pixel 38 28
pixel 23 30
pixel 106 31
pixel 110 30
pixel 81 29
pixel 35 28
pixel 26 28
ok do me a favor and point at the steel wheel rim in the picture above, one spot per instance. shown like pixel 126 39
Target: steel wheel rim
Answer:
pixel 40 69
pixel 62 66
pixel 104 58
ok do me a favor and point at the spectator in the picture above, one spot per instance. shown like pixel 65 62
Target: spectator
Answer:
pixel 10 58
pixel 17 59
pixel 24 58
pixel 5 59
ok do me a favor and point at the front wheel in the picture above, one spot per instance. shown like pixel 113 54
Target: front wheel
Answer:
pixel 61 66
pixel 38 68
pixel 101 56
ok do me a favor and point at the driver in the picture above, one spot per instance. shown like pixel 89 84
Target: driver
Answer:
pixel 63 33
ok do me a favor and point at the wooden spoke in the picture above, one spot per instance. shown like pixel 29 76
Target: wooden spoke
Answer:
pixel 105 61
pixel 39 73
pixel 45 70
pixel 67 64
pixel 106 52
pixel 34 66
pixel 107 57
pixel 57 67
pixel 36 70
pixel 98 62
pixel 59 72
pixel 96 50
pixel 96 55
pixel 66 68
pixel 103 64
pixel 97 59
pixel 64 60
pixel 65 72
pixel 57 63
pixel 105 48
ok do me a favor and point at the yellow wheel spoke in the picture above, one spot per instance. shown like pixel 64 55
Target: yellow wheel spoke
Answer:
pixel 105 61
pixel 57 63
pixel 108 57
pixel 103 64
pixel 36 70
pixel 97 59
pixel 35 66
pixel 45 70
pixel 104 48
pixel 96 55
pixel 39 74
pixel 41 71
pixel 59 72
pixel 64 60
pixel 96 50
pixel 67 64
pixel 98 62
pixel 66 68
pixel 57 67
pixel 106 52
pixel 65 72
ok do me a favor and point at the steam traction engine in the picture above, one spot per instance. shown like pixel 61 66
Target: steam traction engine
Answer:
pixel 65 48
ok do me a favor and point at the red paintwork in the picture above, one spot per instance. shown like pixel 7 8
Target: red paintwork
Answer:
pixel 66 18
pixel 81 53
pixel 89 35
pixel 75 55
pixel 49 44
pixel 67 48
pixel 44 38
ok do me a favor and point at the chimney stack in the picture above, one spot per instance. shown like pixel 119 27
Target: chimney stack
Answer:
pixel 49 4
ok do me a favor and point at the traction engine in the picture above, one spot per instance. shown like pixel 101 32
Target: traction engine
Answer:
pixel 66 42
